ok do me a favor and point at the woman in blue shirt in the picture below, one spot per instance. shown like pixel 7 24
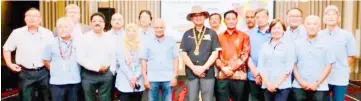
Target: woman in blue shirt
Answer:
pixel 276 60
pixel 129 80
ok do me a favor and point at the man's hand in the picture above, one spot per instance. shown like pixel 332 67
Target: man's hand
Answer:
pixel 227 71
pixel 312 87
pixel 14 67
pixel 198 70
pixel 304 85
pixel 146 84
pixel 173 82
pixel 103 69
pixel 271 88
pixel 258 80
pixel 133 81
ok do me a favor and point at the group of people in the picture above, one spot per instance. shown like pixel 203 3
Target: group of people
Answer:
pixel 269 61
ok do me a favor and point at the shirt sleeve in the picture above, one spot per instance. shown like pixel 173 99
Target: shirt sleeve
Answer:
pixel 144 52
pixel 47 53
pixel 261 60
pixel 215 42
pixel 83 59
pixel 351 45
pixel 11 43
pixel 290 61
pixel 246 48
pixel 175 52
pixel 183 47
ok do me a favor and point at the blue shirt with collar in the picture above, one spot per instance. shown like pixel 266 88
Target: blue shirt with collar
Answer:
pixel 62 71
pixel 312 57
pixel 343 45
pixel 160 55
pixel 276 60
pixel 257 39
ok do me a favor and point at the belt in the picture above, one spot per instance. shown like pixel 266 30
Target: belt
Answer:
pixel 32 69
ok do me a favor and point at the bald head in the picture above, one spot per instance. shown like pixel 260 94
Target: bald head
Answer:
pixel 64 27
pixel 73 12
pixel 117 21
pixel 32 17
pixel 312 24
pixel 159 27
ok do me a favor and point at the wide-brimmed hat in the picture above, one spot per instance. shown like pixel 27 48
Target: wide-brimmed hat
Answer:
pixel 197 10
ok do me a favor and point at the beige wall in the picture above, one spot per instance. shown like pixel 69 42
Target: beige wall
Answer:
pixel 130 9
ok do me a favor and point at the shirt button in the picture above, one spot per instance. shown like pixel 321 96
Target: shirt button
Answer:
pixel 197 61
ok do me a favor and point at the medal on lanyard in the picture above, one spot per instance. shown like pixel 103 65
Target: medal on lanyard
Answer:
pixel 65 66
pixel 198 40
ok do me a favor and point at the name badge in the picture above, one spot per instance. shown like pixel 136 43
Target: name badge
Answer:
pixel 207 37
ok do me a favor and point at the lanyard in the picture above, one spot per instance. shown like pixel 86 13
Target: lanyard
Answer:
pixel 69 48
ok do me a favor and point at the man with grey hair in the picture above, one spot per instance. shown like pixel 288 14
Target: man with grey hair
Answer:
pixel 313 63
pixel 65 71
pixel 73 11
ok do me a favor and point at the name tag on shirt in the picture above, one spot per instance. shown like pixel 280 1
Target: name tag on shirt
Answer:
pixel 207 37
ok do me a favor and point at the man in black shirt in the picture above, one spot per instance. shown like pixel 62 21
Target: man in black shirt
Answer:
pixel 199 48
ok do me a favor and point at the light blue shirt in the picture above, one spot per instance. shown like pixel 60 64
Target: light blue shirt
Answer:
pixel 312 57
pixel 62 71
pixel 160 54
pixel 256 38
pixel 277 60
pixel 147 34
pixel 299 33
pixel 343 45
pixel 124 72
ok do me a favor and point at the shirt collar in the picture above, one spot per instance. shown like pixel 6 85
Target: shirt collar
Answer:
pixel 259 31
pixel 62 41
pixel 234 32
pixel 334 31
pixel 297 30
pixel 159 40
pixel 117 32
pixel 38 31
pixel 282 39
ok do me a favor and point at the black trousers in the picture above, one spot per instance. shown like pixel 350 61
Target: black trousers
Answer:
pixel 230 89
pixel 34 79
pixel 280 95
pixel 92 81
pixel 133 96
pixel 302 95
pixel 255 91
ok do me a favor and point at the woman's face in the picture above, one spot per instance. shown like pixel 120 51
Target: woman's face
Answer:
pixel 277 31
pixel 131 32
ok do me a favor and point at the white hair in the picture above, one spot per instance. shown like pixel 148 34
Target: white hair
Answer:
pixel 313 17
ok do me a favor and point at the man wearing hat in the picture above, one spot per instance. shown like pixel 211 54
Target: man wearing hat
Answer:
pixel 343 45
pixel 199 48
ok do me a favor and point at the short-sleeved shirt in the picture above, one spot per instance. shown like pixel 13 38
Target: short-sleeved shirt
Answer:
pixel 257 39
pixel 299 33
pixel 160 55
pixel 63 70
pixel 29 46
pixel 343 45
pixel 234 46
pixel 276 60
pixel 209 44
pixel 312 56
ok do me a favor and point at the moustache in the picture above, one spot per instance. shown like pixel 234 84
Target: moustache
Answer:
pixel 97 25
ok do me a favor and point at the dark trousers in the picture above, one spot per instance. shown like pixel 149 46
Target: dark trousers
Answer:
pixel 302 95
pixel 92 81
pixel 62 92
pixel 133 96
pixel 30 79
pixel 255 91
pixel 280 95
pixel 230 89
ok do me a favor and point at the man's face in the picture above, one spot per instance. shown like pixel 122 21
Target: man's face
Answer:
pixel 198 19
pixel 231 20
pixel 250 18
pixel 330 17
pixel 159 28
pixel 262 18
pixel 73 13
pixel 64 28
pixel 97 23
pixel 32 18
pixel 117 21
pixel 215 21
pixel 145 19
pixel 294 18
pixel 312 26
